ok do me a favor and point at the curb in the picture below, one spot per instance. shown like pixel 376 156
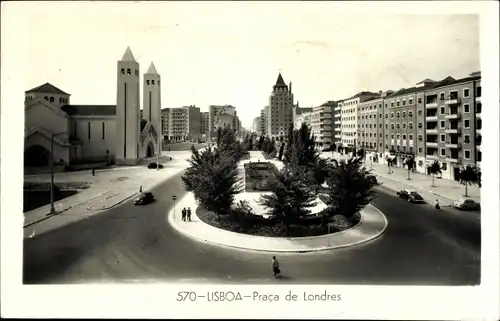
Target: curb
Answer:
pixel 119 202
pixel 316 249
pixel 64 210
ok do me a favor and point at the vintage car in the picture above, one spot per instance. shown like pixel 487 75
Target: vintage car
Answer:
pixel 466 204
pixel 410 196
pixel 144 198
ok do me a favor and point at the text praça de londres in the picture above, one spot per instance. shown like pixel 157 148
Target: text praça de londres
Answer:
pixel 256 296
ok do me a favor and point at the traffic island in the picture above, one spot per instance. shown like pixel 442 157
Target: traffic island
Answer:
pixel 372 223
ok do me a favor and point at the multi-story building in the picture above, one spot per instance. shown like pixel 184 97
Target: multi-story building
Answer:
pixel 350 118
pixel 370 127
pixel 222 116
pixel 453 124
pixel 256 125
pixel 204 124
pixel 337 124
pixel 322 123
pixel 181 124
pixel 263 120
pixel 301 115
pixel 280 112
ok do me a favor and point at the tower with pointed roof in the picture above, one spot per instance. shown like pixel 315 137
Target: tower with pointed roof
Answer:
pixel 127 110
pixel 152 100
pixel 279 116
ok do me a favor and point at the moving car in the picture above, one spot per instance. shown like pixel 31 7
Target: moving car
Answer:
pixel 144 198
pixel 466 204
pixel 154 165
pixel 410 196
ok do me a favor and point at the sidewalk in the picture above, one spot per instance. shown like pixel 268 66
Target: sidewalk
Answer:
pixel 444 189
pixel 106 190
pixel 373 223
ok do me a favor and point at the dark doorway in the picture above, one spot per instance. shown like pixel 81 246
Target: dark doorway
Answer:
pixel 150 151
pixel 36 156
pixel 456 173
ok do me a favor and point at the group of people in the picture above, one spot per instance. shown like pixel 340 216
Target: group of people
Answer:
pixel 186 214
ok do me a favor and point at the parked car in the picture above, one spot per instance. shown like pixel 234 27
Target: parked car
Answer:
pixel 144 199
pixel 154 165
pixel 466 204
pixel 410 196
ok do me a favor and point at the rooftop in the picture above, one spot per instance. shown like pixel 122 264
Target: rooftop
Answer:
pixel 90 110
pixel 47 88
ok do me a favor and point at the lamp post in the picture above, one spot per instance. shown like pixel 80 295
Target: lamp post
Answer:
pixel 52 209
pixel 174 197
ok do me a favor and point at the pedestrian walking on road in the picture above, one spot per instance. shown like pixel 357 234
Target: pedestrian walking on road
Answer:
pixel 184 212
pixel 189 214
pixel 93 171
pixel 436 205
pixel 276 267
pixel 140 188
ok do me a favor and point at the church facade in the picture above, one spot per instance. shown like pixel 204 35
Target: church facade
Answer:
pixel 83 134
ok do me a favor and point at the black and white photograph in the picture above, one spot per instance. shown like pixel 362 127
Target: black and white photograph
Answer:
pixel 271 145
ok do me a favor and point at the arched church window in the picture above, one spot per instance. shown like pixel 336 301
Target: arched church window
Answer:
pixel 46 98
pixel 147 82
pixel 158 82
pixel 60 100
pixel 123 71
pixel 51 99
pixel 137 72
pixel 129 72
pixel 152 82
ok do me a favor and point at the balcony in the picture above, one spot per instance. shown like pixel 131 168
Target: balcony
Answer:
pixel 431 104
pixel 431 144
pixel 453 116
pixel 450 130
pixel 453 158
pixel 451 100
pixel 337 122
pixel 431 130
pixel 453 145
pixel 478 99
pixel 431 118
pixel 478 130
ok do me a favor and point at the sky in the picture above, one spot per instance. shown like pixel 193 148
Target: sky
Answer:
pixel 231 53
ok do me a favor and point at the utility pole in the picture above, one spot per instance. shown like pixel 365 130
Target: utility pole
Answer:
pixel 158 149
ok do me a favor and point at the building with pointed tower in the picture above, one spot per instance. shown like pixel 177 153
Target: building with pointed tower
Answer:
pixel 84 136
pixel 280 112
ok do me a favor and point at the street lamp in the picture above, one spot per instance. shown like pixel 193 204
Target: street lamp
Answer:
pixel 52 209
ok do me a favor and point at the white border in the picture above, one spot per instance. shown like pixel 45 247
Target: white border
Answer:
pixel 157 301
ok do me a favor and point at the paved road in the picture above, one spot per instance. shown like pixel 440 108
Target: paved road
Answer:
pixel 129 243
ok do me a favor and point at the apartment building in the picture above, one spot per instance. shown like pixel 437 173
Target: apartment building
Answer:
pixel 263 120
pixel 322 123
pixel 280 112
pixel 301 115
pixel 204 124
pixel 370 127
pixel 400 127
pixel 337 124
pixel 349 118
pixel 181 123
pixel 453 124
pixel 222 116
pixel 256 125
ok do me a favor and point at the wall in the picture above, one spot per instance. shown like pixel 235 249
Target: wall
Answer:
pixel 45 117
pixel 60 152
pixel 96 146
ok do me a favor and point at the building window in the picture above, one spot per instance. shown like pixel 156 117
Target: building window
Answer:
pixel 441 96
pixel 88 130
pixel 397 103
pixel 419 100
pixel 147 82
pixel 404 137
pixel 397 115
pixel 392 115
pixel 466 108
pixel 479 123
pixel 466 123
pixel 442 138
pixel 478 91
pixel 466 93
pixel 420 149
pixel 410 114
pixel 46 98
pixel 442 110
pixel 479 107
pixel 152 82
pixel 467 154
pixel 74 129
pixel 410 137
pixel 420 113
pixel 386 116
pixel 420 137
pixel 442 151
pixel 404 114
pixel 103 130
pixel 392 104
pixel 419 125
pixel 123 71
pixel 129 72
pixel 410 101
pixel 467 139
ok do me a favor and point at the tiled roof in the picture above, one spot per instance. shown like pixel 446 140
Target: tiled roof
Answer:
pixel 47 88
pixel 362 93
pixel 88 110
pixel 370 99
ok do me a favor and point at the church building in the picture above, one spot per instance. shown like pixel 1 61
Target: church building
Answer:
pixel 89 134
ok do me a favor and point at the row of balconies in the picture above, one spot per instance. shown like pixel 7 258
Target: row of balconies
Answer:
pixel 449 157
pixel 447 101
pixel 448 144
pixel 455 115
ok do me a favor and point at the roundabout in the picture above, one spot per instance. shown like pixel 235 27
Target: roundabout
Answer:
pixel 371 225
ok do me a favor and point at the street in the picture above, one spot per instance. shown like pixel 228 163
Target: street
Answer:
pixel 135 243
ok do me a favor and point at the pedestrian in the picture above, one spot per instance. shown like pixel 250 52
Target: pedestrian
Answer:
pixel 140 188
pixel 189 214
pixel 276 267
pixel 436 205
pixel 184 214
pixel 93 171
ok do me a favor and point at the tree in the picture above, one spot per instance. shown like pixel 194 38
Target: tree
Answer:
pixel 350 186
pixel 282 147
pixel 410 164
pixel 470 175
pixel 227 142
pixel 434 169
pixel 259 144
pixel 301 147
pixel 290 197
pixel 213 178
